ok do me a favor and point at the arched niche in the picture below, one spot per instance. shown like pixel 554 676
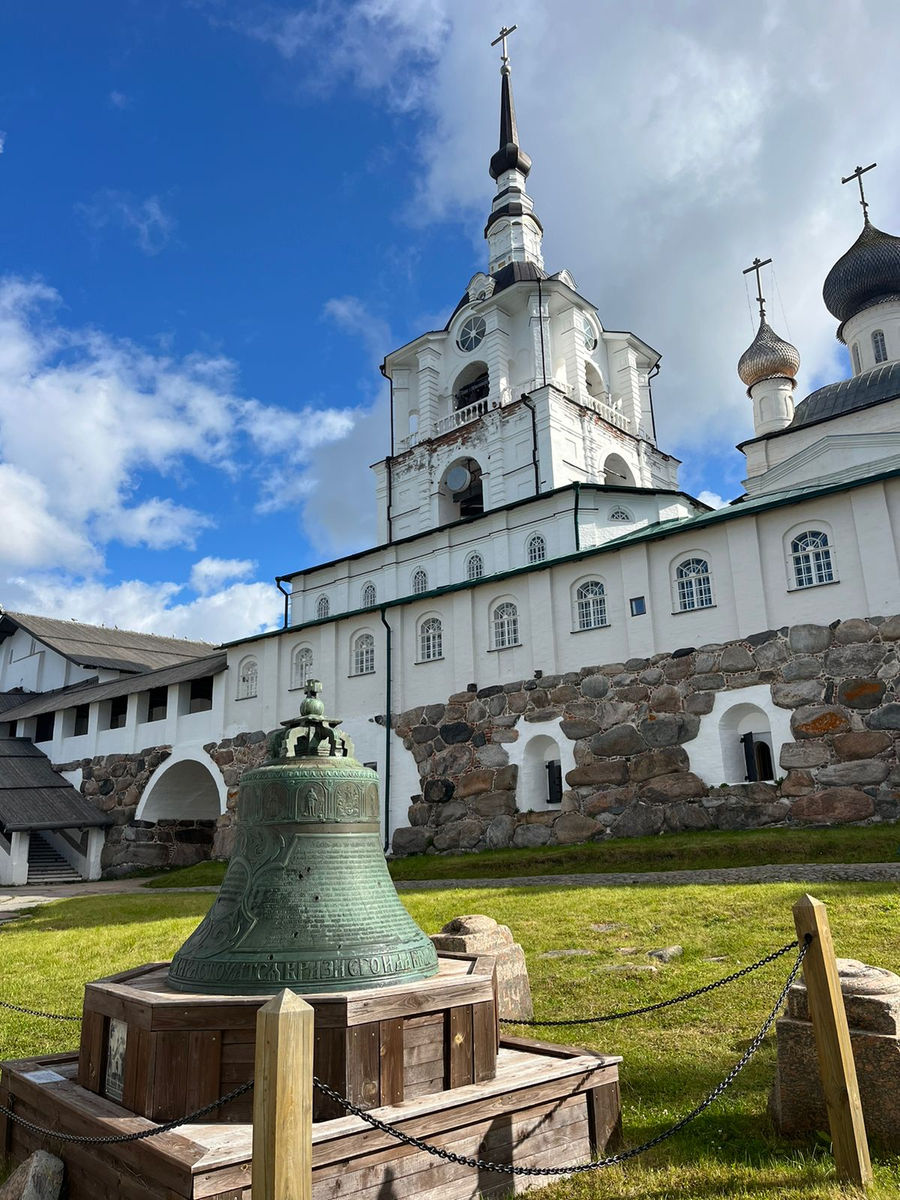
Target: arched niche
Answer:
pixel 593 381
pixel 543 760
pixel 186 789
pixel 616 471
pixel 717 753
pixel 461 491
pixel 471 385
pixel 745 736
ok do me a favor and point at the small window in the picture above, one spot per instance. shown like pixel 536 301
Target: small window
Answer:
pixel 811 559
pixel 364 654
pixel 369 596
pixel 323 608
pixel 157 703
pixel 200 694
pixel 638 606
pixel 590 605
pixel 620 514
pixel 118 712
pixel 505 626
pixel 301 666
pixel 878 346
pixel 43 727
pixel 80 720
pixel 419 582
pixel 248 678
pixel 854 354
pixel 431 639
pixel 536 548
pixel 474 566
pixel 693 584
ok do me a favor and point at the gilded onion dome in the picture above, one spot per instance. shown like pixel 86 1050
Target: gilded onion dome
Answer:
pixel 768 356
pixel 869 273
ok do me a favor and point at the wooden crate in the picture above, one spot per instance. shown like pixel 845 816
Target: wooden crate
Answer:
pixel 546 1106
pixel 378 1046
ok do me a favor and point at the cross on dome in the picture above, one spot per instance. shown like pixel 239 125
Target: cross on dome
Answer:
pixel 857 175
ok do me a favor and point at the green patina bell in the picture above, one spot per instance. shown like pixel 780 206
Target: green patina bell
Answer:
pixel 307 902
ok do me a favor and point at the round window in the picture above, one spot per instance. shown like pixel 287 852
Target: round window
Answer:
pixel 472 333
pixel 587 332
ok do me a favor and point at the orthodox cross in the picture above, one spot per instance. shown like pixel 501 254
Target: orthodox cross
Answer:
pixel 501 37
pixel 756 266
pixel 857 175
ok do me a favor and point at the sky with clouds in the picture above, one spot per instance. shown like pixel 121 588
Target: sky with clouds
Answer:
pixel 217 216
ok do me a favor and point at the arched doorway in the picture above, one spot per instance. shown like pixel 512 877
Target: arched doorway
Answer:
pixel 747 750
pixel 185 790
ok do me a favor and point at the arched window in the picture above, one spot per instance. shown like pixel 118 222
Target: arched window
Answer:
pixel 419 582
pixel 693 584
pixel 364 654
pixel 854 354
pixel 504 626
pixel 811 558
pixel 301 666
pixel 620 514
pixel 536 548
pixel 590 605
pixel 248 678
pixel 369 596
pixel 431 639
pixel 474 566
pixel 323 608
pixel 878 346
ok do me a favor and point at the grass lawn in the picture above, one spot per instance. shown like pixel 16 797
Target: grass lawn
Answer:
pixel 671 852
pixel 671 1059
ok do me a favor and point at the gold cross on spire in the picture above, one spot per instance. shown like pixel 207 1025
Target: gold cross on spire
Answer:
pixel 501 37
pixel 857 175
pixel 757 265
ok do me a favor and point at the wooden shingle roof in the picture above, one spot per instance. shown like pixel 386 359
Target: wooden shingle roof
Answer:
pixel 34 796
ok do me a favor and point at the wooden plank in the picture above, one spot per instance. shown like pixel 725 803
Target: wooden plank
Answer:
pixel 137 1089
pixel 392 1061
pixel 242 1053
pixel 418 1031
pixel 431 1052
pixel 93 1050
pixel 464 991
pixel 282 1103
pixel 604 1111
pixel 330 1065
pixel 484 1042
pixel 363 1065
pixel 836 1066
pixel 171 1068
pixel 554 1050
pixel 203 1069
pixel 458 1047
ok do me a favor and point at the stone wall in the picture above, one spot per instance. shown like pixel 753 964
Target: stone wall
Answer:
pixel 234 756
pixel 631 726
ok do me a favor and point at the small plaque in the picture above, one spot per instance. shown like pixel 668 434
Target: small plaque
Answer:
pixel 46 1076
pixel 114 1081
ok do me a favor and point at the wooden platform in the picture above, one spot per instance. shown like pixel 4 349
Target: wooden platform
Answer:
pixel 547 1106
pixel 379 1046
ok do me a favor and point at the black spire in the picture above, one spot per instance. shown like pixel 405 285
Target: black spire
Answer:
pixel 509 157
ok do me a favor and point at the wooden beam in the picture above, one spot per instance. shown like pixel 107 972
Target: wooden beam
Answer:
pixel 836 1066
pixel 282 1100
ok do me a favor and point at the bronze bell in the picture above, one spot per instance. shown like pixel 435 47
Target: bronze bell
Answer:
pixel 307 902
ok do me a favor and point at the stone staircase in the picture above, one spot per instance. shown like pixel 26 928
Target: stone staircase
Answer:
pixel 46 865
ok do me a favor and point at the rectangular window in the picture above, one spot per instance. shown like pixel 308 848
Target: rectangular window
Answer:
pixel 80 720
pixel 200 694
pixel 117 711
pixel 43 727
pixel 638 606
pixel 157 702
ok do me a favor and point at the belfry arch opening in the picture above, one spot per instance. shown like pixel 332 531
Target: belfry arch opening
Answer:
pixel 540 776
pixel 616 471
pixel 183 791
pixel 471 385
pixel 461 491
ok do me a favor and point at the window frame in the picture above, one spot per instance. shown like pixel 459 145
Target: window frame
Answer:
pixel 879 346
pixel 296 653
pixel 535 548
pixel 508 622
pixel 795 556
pixel 582 605
pixel 419 581
pixel 323 607
pixel 472 557
pixel 248 679
pixel 430 641
pixel 362 657
pixel 696 584
pixel 368 595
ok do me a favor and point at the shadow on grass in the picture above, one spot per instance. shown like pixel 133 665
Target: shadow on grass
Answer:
pixel 95 912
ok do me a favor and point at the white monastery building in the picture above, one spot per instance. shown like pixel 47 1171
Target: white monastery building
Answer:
pixel 529 527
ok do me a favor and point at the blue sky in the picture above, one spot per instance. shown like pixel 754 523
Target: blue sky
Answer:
pixel 217 217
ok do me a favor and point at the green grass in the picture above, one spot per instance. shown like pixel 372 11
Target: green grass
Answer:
pixel 671 1059
pixel 672 852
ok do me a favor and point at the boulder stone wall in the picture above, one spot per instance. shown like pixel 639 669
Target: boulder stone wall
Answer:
pixel 631 725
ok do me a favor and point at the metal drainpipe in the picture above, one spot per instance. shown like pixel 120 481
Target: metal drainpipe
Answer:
pixel 577 486
pixel 390 476
pixel 653 374
pixel 388 701
pixel 279 579
pixel 534 443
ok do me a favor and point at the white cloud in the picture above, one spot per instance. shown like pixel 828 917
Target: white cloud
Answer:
pixel 119 99
pixel 713 499
pixel 209 573
pixel 32 535
pixel 146 220
pixel 2 140
pixel 158 524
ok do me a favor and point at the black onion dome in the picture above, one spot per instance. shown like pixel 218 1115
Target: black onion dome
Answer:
pixel 767 357
pixel 869 273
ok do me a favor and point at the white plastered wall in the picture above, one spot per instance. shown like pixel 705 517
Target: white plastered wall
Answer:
pixel 709 759
pixel 531 790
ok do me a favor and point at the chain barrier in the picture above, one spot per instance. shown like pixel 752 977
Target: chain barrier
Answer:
pixel 427 1147
pixel 649 1008
pixel 36 1012
pixel 580 1168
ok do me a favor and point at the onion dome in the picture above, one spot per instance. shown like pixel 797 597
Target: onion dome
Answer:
pixel 869 273
pixel 767 357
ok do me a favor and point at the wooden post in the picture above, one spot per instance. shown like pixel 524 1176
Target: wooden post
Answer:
pixel 836 1066
pixel 282 1100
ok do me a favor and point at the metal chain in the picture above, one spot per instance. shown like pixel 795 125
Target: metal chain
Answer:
pixel 125 1137
pixel 648 1008
pixel 580 1168
pixel 36 1012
